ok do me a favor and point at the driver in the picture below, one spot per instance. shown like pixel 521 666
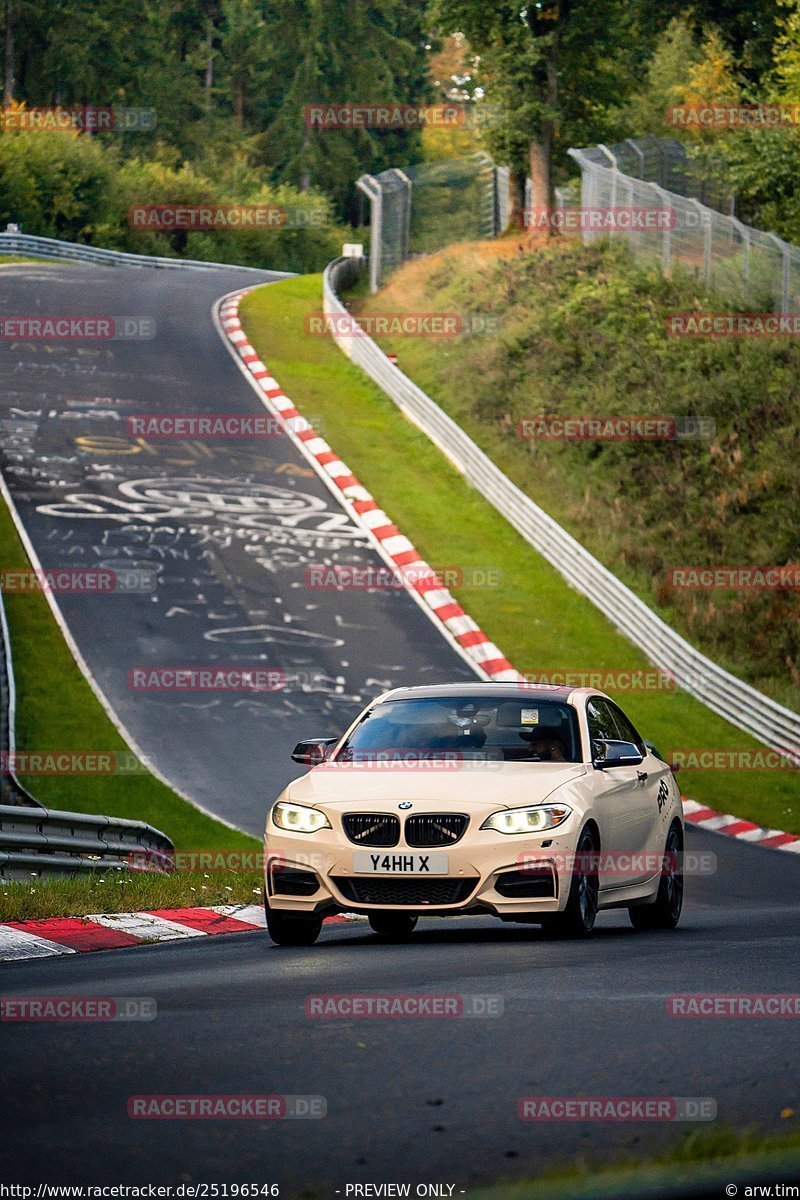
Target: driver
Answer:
pixel 546 745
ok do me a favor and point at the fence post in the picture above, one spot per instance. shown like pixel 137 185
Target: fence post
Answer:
pixel 614 171
pixel 744 233
pixel 405 240
pixel 666 233
pixel 640 154
pixel 372 189
pixel 784 249
pixel 705 223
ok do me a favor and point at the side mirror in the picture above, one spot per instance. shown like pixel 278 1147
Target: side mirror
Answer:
pixel 313 751
pixel 615 754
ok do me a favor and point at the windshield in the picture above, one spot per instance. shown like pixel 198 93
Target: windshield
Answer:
pixel 470 727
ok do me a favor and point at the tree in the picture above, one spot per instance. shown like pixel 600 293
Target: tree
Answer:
pixel 337 52
pixel 552 68
pixel 244 53
pixel 675 53
pixel 786 82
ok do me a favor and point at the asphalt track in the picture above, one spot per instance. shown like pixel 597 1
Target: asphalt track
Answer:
pixel 417 1100
pixel 230 526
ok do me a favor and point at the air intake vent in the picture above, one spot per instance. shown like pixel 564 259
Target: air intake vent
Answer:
pixel 372 829
pixel 417 892
pixel 435 829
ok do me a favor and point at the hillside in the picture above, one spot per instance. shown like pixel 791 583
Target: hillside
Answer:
pixel 579 332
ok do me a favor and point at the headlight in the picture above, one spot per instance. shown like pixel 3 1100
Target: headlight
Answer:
pixel 527 820
pixel 296 818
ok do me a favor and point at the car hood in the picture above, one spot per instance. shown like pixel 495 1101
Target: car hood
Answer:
pixel 431 786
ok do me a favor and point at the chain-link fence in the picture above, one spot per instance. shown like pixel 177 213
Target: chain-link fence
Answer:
pixel 423 208
pixel 664 161
pixel 747 266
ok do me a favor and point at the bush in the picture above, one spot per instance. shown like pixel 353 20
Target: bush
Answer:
pixel 77 188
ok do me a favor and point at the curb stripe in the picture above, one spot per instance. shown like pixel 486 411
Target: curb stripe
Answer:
pixel 202 920
pixel 18 943
pixel 78 933
pixel 44 938
pixel 145 926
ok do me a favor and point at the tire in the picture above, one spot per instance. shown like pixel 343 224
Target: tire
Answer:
pixel 577 919
pixel 665 913
pixel 394 927
pixel 292 929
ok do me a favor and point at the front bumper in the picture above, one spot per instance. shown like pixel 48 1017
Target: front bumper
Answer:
pixel 486 872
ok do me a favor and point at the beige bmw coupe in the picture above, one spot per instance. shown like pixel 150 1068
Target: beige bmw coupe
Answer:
pixel 529 803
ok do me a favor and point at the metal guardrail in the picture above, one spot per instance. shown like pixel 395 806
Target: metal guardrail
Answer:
pixel 48 841
pixel 744 706
pixel 37 840
pixel 41 247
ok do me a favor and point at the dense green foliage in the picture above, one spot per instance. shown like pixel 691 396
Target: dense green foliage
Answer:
pixel 229 82
pixel 81 189
pixel 229 78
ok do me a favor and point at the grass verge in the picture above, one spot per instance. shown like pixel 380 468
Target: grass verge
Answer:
pixel 57 710
pixel 10 259
pixel 710 1158
pixel 125 891
pixel 535 618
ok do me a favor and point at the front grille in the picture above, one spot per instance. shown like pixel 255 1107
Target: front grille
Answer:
pixel 421 892
pixel 535 883
pixel 372 829
pixel 435 829
pixel 288 881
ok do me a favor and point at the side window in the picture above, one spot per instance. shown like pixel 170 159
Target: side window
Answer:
pixel 602 726
pixel 627 733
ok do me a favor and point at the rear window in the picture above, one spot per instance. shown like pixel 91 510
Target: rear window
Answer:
pixel 525 730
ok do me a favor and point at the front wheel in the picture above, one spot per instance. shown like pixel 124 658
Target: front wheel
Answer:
pixel 292 929
pixel 577 919
pixel 394 927
pixel 666 912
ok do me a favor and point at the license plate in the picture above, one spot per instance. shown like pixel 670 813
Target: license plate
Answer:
pixel 380 863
